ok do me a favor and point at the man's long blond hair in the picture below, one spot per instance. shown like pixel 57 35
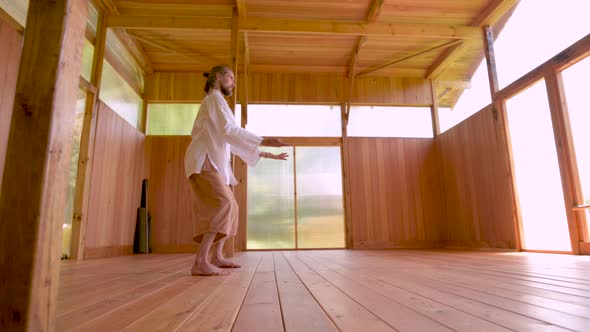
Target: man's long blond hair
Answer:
pixel 212 76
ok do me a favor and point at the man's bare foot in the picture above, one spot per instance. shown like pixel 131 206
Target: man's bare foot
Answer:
pixel 206 269
pixel 224 263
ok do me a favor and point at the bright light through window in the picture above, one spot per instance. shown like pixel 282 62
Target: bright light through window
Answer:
pixel 295 120
pixel 374 121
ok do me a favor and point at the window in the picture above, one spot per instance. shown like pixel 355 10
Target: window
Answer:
pixel 116 93
pixel 295 120
pixel 378 121
pixel 171 119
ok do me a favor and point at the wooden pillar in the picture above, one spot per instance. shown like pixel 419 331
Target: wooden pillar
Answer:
pixel 86 158
pixel 502 132
pixel 434 110
pixel 564 143
pixel 344 110
pixel 33 193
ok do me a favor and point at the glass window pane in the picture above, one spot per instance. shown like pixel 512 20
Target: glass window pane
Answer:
pixel 294 120
pixel 320 212
pixel 537 174
pixel 557 25
pixel 378 121
pixel 471 101
pixel 171 119
pixel 119 96
pixel 73 174
pixel 17 9
pixel 271 208
pixel 87 56
pixel 576 81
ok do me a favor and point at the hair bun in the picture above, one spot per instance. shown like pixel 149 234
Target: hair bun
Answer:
pixel 206 74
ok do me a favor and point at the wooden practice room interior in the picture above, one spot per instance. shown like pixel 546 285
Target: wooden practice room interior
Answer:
pixel 438 177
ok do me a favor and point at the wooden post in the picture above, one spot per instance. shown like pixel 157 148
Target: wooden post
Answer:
pixel 85 160
pixel 346 176
pixel 564 144
pixel 502 132
pixel 33 193
pixel 434 110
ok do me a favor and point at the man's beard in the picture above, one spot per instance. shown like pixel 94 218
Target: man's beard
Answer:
pixel 226 91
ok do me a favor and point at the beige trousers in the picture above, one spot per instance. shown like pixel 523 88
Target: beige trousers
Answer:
pixel 218 209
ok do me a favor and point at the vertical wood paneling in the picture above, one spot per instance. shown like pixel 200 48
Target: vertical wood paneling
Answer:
pixel 115 191
pixel 306 88
pixel 11 44
pixel 479 211
pixel 395 193
pixel 171 199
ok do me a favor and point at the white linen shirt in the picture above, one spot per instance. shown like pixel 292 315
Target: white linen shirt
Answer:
pixel 216 134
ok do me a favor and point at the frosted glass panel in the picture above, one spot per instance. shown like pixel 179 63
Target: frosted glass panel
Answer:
pixel 537 171
pixel 73 174
pixel 171 119
pixel 320 213
pixel 116 93
pixel 271 208
pixel 294 120
pixel 576 81
pixel 87 56
pixel 374 121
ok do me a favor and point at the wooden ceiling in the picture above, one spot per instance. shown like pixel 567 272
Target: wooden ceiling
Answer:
pixel 433 39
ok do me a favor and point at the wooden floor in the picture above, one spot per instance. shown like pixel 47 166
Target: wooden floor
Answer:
pixel 330 290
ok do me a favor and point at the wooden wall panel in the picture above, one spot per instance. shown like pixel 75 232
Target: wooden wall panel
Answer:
pixel 11 45
pixel 171 200
pixel 479 211
pixel 303 88
pixel 392 91
pixel 395 193
pixel 115 190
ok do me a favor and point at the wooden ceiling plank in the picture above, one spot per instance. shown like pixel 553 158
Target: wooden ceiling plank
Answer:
pixel 412 55
pixel 175 49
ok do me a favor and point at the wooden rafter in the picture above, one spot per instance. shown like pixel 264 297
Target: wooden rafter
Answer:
pixel 177 49
pixel 241 8
pixel 107 7
pixel 259 24
pixel 493 12
pixel 443 60
pixel 412 55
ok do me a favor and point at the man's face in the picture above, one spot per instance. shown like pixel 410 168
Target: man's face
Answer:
pixel 227 84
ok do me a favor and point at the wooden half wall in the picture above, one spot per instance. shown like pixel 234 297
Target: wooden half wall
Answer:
pixel 474 165
pixel 115 190
pixel 395 191
pixel 11 45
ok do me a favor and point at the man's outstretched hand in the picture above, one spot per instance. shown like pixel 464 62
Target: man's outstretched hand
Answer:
pixel 280 156
pixel 273 141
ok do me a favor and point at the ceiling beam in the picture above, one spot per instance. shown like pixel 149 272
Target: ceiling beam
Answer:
pixel 412 55
pixel 177 49
pixel 241 8
pixel 443 60
pixel 257 24
pixel 492 13
pixel 374 10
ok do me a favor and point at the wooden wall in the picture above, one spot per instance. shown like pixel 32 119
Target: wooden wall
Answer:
pixel 115 191
pixel 11 45
pixel 171 200
pixel 323 88
pixel 395 193
pixel 479 211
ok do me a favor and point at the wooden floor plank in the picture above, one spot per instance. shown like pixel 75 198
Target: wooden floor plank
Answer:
pixel 301 312
pixel 175 312
pixel 347 314
pixel 220 312
pixel 261 310
pixel 423 286
pixel 354 290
